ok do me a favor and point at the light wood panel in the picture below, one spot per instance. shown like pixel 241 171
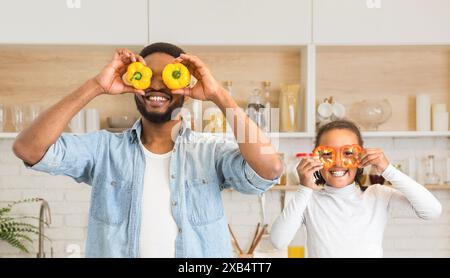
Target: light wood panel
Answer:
pixel 248 67
pixel 352 74
pixel 42 75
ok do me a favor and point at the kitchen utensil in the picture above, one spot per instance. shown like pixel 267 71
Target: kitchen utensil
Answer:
pixel 262 203
pixel 234 241
pixel 254 238
pixel 77 124
pixel 121 121
pixel 261 234
pixel 372 113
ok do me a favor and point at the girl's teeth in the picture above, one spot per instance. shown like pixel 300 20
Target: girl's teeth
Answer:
pixel 338 173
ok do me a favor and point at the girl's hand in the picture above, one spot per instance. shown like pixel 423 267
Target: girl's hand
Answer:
pixel 374 157
pixel 306 169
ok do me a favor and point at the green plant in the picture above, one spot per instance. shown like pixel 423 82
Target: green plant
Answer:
pixel 15 232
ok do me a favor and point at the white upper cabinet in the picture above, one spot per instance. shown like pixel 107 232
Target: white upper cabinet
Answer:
pixel 231 22
pixel 74 21
pixel 381 21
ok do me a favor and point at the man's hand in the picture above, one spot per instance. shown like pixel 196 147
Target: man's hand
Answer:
pixel 207 87
pixel 110 78
pixel 306 169
pixel 374 157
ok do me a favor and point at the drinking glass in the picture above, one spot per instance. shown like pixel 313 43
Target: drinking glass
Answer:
pixel 2 117
pixel 18 117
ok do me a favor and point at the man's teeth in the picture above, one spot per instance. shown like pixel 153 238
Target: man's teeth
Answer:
pixel 157 98
pixel 338 173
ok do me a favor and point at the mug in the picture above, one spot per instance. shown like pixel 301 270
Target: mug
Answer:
pixel 77 123
pixel 338 111
pixel 92 120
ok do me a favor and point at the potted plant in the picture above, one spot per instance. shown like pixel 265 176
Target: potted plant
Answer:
pixel 12 228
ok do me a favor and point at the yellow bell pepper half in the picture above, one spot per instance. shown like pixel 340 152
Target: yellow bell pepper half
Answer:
pixel 138 75
pixel 176 76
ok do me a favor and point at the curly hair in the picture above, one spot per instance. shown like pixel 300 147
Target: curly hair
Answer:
pixel 339 124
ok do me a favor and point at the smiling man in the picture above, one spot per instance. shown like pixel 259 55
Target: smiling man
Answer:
pixel 156 187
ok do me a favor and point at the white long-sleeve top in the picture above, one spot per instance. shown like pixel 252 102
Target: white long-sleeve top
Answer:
pixel 347 222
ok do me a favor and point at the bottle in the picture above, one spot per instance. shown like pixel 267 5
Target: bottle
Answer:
pixel 254 108
pixel 267 106
pixel 229 87
pixel 214 120
pixel 282 180
pixel 289 108
pixel 375 177
pixel 431 177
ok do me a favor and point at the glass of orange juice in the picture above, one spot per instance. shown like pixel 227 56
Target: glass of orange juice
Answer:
pixel 296 251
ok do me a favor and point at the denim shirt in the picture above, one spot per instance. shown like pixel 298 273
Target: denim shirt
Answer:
pixel 114 164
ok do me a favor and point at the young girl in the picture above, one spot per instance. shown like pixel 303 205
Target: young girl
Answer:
pixel 341 219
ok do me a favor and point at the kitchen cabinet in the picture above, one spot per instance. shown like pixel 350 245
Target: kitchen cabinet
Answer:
pixel 381 22
pixel 231 22
pixel 114 22
pixel 351 74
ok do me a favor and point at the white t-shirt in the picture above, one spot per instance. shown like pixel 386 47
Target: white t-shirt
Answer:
pixel 346 222
pixel 158 228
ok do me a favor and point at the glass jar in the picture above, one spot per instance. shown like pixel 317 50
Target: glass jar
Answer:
pixel 289 108
pixel 255 108
pixel 267 106
pixel 431 177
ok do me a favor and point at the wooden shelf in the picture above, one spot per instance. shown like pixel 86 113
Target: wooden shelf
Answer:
pixel 285 187
pixel 291 135
pixel 396 73
pixel 295 187
pixel 309 135
pixel 8 135
pixel 411 134
pixel 438 186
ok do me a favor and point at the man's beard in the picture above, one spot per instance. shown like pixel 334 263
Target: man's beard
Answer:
pixel 156 117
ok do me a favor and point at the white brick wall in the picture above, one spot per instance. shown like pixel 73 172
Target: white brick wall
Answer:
pixel 69 203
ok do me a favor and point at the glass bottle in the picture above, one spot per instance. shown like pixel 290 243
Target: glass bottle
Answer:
pixel 267 105
pixel 255 108
pixel 431 177
pixel 375 176
pixel 288 108
pixel 229 87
